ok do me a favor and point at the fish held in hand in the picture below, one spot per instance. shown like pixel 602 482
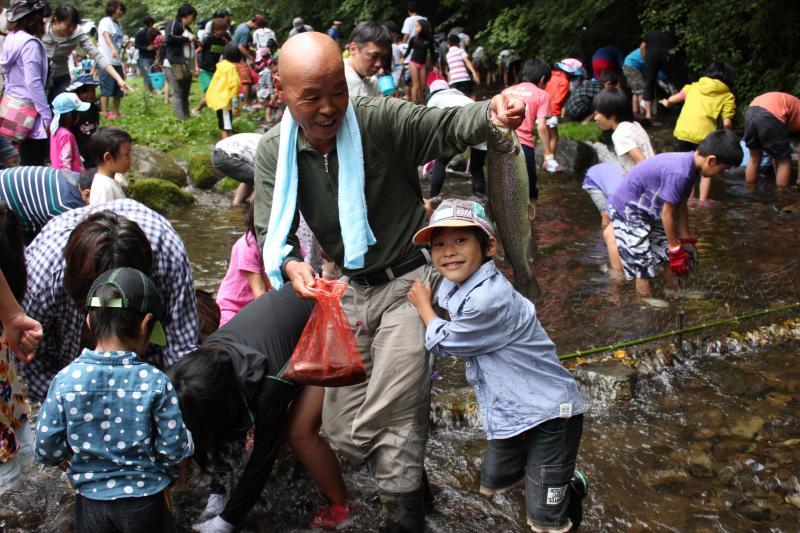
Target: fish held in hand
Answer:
pixel 508 193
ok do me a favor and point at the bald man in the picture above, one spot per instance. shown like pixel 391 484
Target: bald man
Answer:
pixel 383 421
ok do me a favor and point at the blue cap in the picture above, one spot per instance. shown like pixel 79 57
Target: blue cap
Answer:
pixel 65 103
pixel 79 81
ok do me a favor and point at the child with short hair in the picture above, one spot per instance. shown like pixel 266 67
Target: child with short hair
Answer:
pixel 538 104
pixel 245 279
pixel 530 405
pixel 612 111
pixel 110 149
pixel 212 48
pixel 113 420
pixel 64 153
pixel 223 91
pixel 85 86
pixel 768 124
pixel 649 210
pixel 558 88
pixel 704 103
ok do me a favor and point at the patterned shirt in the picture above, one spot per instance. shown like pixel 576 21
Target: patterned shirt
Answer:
pixel 37 194
pixel 119 420
pixel 579 103
pixel 14 408
pixel 47 301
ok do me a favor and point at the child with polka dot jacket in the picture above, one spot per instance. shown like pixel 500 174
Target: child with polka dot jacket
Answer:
pixel 112 421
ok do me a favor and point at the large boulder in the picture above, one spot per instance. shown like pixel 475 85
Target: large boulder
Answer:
pixel 202 172
pixel 157 194
pixel 152 163
pixel 573 156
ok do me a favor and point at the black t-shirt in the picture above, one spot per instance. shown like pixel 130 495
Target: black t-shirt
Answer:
pixel 88 123
pixel 212 51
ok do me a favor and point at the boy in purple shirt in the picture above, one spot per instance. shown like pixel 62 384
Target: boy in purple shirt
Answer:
pixel 649 213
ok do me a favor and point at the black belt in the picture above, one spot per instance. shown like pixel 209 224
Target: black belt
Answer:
pixel 414 260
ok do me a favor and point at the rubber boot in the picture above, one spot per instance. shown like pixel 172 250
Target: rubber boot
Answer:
pixel 402 513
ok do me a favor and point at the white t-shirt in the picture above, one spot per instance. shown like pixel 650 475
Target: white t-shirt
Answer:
pixel 626 137
pixel 107 25
pixel 262 36
pixel 452 98
pixel 409 25
pixel 104 189
pixel 240 146
pixel 358 86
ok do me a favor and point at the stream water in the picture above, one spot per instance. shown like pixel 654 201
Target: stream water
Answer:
pixel 711 445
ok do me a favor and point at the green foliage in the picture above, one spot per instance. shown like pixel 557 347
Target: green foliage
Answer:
pixel 580 132
pixel 226 185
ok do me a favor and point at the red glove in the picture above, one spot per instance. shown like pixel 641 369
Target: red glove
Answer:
pixel 690 245
pixel 679 261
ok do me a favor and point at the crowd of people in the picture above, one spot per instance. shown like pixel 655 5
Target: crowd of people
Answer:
pixel 138 373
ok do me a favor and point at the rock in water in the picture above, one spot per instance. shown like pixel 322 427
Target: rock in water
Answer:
pixel 157 194
pixel 152 163
pixel 508 197
pixel 573 156
pixel 202 172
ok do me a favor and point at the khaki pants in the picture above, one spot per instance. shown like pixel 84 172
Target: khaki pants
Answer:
pixel 384 421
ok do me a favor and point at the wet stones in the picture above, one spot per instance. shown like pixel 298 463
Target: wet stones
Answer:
pixel 607 381
pixel 661 478
pixel 701 464
pixel 453 409
pixel 746 428
pixel 152 163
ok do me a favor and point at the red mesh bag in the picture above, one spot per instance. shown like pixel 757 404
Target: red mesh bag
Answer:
pixel 327 353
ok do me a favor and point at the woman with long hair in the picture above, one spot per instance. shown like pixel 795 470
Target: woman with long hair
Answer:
pixel 420 45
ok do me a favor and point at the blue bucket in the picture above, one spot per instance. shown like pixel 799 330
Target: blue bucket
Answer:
pixel 386 84
pixel 156 79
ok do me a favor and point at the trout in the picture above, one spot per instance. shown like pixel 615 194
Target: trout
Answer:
pixel 508 199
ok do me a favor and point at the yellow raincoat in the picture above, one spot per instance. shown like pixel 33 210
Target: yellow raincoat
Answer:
pixel 224 86
pixel 706 100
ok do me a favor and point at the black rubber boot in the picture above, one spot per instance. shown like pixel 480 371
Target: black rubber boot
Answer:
pixel 402 513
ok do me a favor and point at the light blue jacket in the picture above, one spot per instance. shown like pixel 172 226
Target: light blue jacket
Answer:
pixel 510 361
pixel 119 419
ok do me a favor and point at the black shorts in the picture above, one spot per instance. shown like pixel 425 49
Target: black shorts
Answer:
pixel 225 119
pixel 467 86
pixel 685 146
pixel 763 131
pixel 545 455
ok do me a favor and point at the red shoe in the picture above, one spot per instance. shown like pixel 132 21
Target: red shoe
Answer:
pixel 334 516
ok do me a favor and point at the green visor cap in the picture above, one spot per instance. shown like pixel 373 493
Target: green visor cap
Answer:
pixel 137 293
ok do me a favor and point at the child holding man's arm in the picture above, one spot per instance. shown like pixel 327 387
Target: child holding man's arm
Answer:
pixel 529 404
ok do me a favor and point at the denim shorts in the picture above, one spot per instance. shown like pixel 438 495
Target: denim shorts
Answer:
pixel 233 167
pixel 545 455
pixel 125 515
pixel 108 85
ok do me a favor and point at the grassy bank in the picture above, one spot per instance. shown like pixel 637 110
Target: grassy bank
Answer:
pixel 152 122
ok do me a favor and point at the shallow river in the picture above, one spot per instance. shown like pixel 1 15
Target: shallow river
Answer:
pixel 708 446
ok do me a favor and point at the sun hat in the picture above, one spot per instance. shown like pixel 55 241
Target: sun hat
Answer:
pixel 439 85
pixel 570 65
pixel 455 214
pixel 19 8
pixel 138 293
pixel 79 81
pixel 65 103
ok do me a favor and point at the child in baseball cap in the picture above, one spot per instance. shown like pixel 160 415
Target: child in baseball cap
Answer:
pixel 530 406
pixel 113 420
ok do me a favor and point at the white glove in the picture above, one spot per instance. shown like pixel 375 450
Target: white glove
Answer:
pixel 215 525
pixel 550 164
pixel 552 122
pixel 214 506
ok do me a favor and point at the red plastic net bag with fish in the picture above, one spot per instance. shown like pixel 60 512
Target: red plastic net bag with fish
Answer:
pixel 327 353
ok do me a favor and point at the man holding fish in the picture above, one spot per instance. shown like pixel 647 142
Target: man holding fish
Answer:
pixel 350 167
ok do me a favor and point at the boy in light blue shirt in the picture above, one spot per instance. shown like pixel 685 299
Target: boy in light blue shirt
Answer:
pixel 113 421
pixel 529 404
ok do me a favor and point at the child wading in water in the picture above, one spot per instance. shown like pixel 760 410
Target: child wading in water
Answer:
pixel 530 406
pixel 112 420
pixel 64 153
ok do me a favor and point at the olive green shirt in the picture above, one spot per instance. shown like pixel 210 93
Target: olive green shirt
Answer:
pixel 397 136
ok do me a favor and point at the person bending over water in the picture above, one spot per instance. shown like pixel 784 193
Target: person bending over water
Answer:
pixel 231 383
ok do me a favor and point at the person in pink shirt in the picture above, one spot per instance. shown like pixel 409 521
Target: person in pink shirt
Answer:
pixel 245 279
pixel 64 153
pixel 535 75
pixel 769 123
